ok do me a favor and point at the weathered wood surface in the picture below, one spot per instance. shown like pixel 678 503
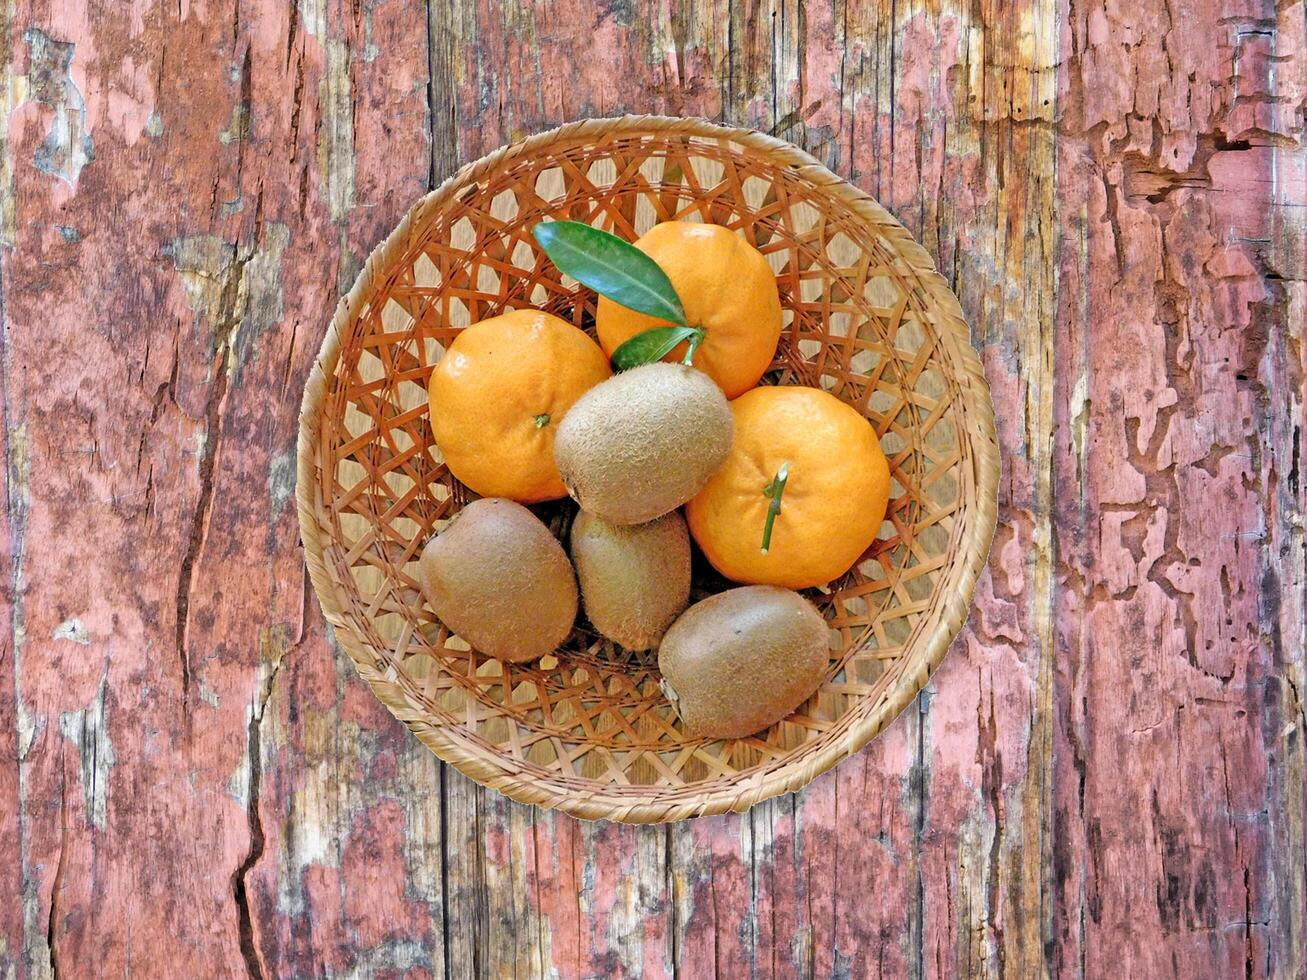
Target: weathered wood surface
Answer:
pixel 1106 777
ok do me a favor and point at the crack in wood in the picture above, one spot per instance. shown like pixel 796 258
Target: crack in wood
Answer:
pixel 226 323
pixel 445 897
pixel 991 763
pixel 669 884
pixel 1146 179
pixel 52 922
pixel 239 878
pixel 442 110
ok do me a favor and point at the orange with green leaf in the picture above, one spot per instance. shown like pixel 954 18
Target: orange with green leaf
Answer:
pixel 728 292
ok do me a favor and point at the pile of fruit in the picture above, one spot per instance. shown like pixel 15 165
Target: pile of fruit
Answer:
pixel 783 488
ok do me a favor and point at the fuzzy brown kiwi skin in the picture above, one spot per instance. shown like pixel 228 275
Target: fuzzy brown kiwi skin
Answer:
pixel 740 661
pixel 635 579
pixel 499 579
pixel 645 441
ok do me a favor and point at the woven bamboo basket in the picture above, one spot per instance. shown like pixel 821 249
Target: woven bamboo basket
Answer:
pixel 867 317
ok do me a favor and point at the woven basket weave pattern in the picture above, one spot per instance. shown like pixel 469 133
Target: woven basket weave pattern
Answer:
pixel 867 318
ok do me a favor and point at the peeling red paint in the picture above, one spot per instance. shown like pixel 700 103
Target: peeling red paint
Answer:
pixel 1105 776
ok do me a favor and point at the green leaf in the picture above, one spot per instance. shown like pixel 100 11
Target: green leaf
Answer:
pixel 611 267
pixel 653 345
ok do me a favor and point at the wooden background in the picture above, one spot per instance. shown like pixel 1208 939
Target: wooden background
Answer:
pixel 1106 777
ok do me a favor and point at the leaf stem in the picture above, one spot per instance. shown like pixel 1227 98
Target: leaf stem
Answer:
pixel 692 345
pixel 655 344
pixel 541 421
pixel 774 490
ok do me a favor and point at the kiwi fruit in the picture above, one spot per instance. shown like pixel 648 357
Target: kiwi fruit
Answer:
pixel 635 579
pixel 643 442
pixel 741 660
pixel 499 579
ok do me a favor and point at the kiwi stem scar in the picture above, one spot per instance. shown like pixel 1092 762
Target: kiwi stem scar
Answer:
pixel 774 490
pixel 669 692
pixel 541 421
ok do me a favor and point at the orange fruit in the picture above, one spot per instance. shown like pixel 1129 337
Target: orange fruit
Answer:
pixel 834 498
pixel 498 395
pixel 726 287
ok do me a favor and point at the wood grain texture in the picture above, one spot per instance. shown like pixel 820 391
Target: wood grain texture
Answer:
pixel 1106 776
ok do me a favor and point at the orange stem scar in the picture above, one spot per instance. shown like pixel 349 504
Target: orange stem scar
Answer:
pixel 774 490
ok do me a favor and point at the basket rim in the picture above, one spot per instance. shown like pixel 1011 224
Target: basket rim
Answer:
pixel 978 440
